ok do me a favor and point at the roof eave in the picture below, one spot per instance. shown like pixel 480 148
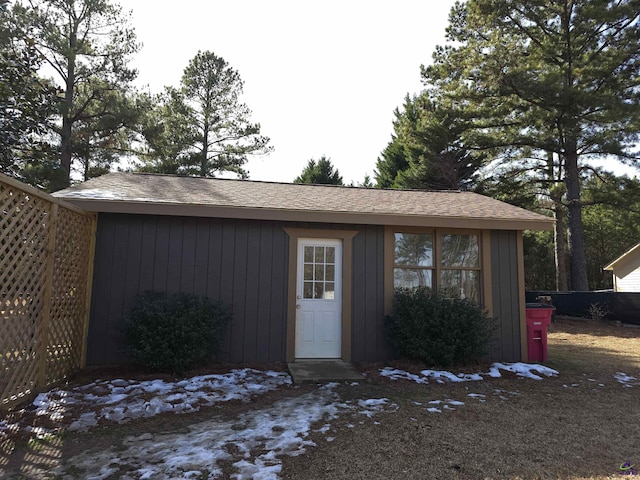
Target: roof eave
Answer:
pixel 249 213
pixel 622 257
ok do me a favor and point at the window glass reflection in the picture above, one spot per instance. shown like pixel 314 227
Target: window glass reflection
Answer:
pixel 460 251
pixel 414 249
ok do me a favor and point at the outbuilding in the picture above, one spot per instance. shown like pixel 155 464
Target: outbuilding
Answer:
pixel 309 270
pixel 626 271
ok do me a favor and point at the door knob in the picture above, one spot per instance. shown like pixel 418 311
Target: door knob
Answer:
pixel 298 297
pixel 298 305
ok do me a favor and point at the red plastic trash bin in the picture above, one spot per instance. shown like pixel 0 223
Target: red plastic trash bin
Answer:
pixel 538 321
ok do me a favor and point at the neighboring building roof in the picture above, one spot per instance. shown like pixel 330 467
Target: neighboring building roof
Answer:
pixel 624 257
pixel 208 197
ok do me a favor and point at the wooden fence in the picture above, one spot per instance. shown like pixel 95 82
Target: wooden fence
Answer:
pixel 46 257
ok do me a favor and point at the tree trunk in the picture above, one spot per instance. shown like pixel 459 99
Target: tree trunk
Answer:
pixel 205 149
pixel 207 106
pixel 67 112
pixel 556 192
pixel 65 149
pixel 575 237
pixel 559 242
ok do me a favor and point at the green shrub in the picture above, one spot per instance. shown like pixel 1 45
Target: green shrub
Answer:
pixel 436 330
pixel 173 332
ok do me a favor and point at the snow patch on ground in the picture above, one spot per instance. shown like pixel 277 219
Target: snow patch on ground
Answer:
pixel 376 405
pixel 438 406
pixel 121 400
pixel 440 376
pixel 626 380
pixel 481 397
pixel 279 429
pixel 395 374
pixel 443 405
pixel 250 445
pixel 521 369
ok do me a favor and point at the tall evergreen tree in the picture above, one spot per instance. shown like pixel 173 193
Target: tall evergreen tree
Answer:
pixel 538 260
pixel 533 180
pixel 202 127
pixel 555 76
pixel 27 102
pixel 320 172
pixel 104 134
pixel 87 44
pixel 390 163
pixel 426 150
pixel 165 133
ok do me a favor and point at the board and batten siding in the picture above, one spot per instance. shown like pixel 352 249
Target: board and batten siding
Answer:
pixel 245 264
pixel 368 338
pixel 505 296
pixel 241 262
pixel 237 262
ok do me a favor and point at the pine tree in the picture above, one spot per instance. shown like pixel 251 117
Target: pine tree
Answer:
pixel 427 151
pixel 87 44
pixel 320 172
pixel 202 128
pixel 548 76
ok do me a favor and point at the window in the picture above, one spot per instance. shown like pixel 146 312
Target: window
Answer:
pixel 319 272
pixel 413 260
pixel 460 266
pixel 456 271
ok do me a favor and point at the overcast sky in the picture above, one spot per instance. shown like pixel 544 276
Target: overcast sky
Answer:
pixel 322 78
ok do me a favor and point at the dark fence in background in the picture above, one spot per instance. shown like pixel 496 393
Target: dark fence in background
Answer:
pixel 621 306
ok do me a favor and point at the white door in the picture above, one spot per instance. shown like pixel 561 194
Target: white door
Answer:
pixel 319 299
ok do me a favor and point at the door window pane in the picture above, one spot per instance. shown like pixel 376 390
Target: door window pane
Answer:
pixel 318 288
pixel 330 273
pixel 331 254
pixel 329 291
pixel 319 255
pixel 460 251
pixel 319 275
pixel 308 290
pixel 308 271
pixel 308 254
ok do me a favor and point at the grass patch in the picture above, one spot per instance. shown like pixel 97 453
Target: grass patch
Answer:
pixel 588 346
pixel 568 427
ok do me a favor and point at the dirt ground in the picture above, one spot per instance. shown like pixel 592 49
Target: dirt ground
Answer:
pixel 582 424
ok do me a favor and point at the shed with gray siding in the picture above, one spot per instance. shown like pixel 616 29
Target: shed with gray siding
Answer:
pixel 254 244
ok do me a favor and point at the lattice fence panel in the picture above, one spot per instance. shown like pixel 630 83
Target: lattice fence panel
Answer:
pixel 42 293
pixel 68 302
pixel 24 223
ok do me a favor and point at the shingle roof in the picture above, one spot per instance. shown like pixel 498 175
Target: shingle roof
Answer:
pixel 167 194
